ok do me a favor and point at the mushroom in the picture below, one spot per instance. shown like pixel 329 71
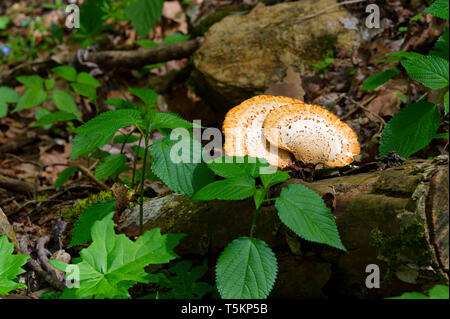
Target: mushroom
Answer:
pixel 312 134
pixel 243 129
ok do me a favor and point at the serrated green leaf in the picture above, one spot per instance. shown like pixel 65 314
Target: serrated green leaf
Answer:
pixel 246 269
pixel 185 175
pixel 439 9
pixel 65 103
pixel 109 121
pixel 49 84
pixel 175 37
pixel 144 14
pixel 93 14
pixel 120 103
pixel 431 71
pixel 86 78
pixel 32 97
pixel 109 166
pixel 32 81
pixel 55 117
pixel 65 175
pixel 441 47
pixel 85 90
pixel 158 120
pixel 304 212
pixel 8 95
pixel 380 78
pixel 147 43
pixel 235 188
pixel 119 139
pixel 113 263
pixel 66 72
pixel 410 130
pixel 237 166
pixel 84 143
pixel 147 95
pixel 81 233
pixel 10 266
pixel 269 180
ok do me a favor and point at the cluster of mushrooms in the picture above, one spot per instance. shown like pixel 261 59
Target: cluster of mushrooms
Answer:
pixel 310 133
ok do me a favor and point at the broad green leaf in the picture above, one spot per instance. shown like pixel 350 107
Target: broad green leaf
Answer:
pixel 439 8
pixel 113 263
pixel 144 14
pixel 10 266
pixel 441 47
pixel 92 16
pixel 158 120
pixel 3 109
pixel 175 38
pixel 258 197
pixel 186 174
pixel 66 72
pixel 32 97
pixel 380 78
pixel 84 143
pixel 81 233
pixel 246 269
pixel 85 90
pixel 439 292
pixel 4 22
pixel 119 139
pixel 65 103
pixel 235 188
pixel 147 43
pixel 32 81
pixel 109 122
pixel 65 175
pixel 410 130
pixel 304 212
pixel 55 117
pixel 446 103
pixel 109 166
pixel 147 95
pixel 431 71
pixel 120 103
pixel 8 95
pixel 229 166
pixel 275 178
pixel 49 84
pixel 88 79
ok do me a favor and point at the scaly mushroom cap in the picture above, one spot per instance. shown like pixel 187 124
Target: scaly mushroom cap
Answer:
pixel 312 134
pixel 243 129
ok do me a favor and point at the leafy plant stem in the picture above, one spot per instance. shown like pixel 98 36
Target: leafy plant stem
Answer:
pixel 141 201
pixel 255 218
pixel 134 165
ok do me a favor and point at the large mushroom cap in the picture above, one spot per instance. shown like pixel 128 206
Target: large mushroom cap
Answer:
pixel 312 134
pixel 243 129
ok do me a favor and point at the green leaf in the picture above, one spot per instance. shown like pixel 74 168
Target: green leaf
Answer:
pixel 81 233
pixel 66 72
pixel 229 166
pixel 86 78
pixel 410 130
pixel 65 175
pixel 158 120
pixel 380 78
pixel 4 22
pixel 431 71
pixel 32 81
pixel 182 282
pixel 119 139
pixel 55 117
pixel 439 292
pixel 411 295
pixel 113 263
pixel 92 16
pixel 439 8
pixel 120 103
pixel 109 166
pixel 144 14
pixel 85 90
pixel 235 188
pixel 269 180
pixel 10 266
pixel 101 129
pixel 175 38
pixel 304 212
pixel 246 269
pixel 258 197
pixel 65 103
pixel 32 97
pixel 8 95
pixel 446 103
pixel 49 84
pixel 185 175
pixel 441 47
pixel 147 43
pixel 147 95
pixel 3 109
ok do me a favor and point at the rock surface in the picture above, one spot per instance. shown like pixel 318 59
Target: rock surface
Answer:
pixel 395 218
pixel 243 54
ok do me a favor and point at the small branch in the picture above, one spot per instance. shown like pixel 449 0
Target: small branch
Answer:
pixel 16 185
pixel 94 179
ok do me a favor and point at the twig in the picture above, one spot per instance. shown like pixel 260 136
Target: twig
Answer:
pixel 356 109
pixel 94 179
pixel 383 122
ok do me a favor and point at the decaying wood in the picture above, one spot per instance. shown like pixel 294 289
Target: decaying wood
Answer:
pixel 16 185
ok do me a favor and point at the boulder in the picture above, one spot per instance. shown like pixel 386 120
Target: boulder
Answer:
pixel 243 54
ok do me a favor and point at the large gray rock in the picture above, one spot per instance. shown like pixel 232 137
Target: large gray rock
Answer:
pixel 243 54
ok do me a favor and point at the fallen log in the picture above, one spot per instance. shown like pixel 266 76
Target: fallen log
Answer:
pixel 396 219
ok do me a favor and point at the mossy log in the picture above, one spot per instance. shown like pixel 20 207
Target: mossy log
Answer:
pixel 396 218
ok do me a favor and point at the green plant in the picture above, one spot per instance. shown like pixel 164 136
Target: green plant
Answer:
pixel 437 292
pixel 10 266
pixel 247 268
pixel 413 127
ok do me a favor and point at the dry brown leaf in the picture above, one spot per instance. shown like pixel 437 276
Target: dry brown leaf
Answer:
pixel 291 86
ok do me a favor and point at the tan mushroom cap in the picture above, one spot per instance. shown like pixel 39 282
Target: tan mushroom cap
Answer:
pixel 243 129
pixel 312 134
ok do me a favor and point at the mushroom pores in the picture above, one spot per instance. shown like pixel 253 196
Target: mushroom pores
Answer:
pixel 312 134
